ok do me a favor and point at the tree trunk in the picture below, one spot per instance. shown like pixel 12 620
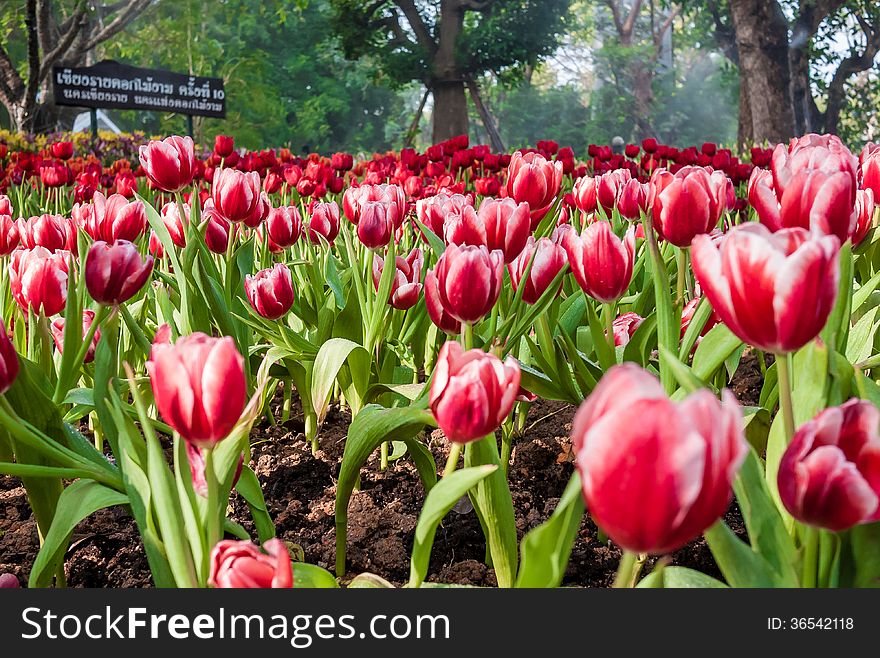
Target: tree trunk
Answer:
pixel 447 86
pixel 450 110
pixel 762 43
pixel 745 135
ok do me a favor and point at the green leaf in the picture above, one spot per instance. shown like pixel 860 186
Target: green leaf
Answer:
pixel 372 426
pixel 310 576
pixel 836 328
pixel 368 580
pixel 865 546
pixel 79 500
pixel 493 503
pixel 695 327
pixel 715 348
pixel 249 487
pixel 741 566
pixel 545 549
pixel 332 356
pixel 440 499
pixel 680 578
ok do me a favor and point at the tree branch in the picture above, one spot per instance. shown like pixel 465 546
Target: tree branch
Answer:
pixel 615 15
pixel 725 35
pixel 64 43
pixel 393 23
pixel 664 27
pixel 855 63
pixel 414 18
pixel 33 48
pixel 633 15
pixel 126 16
pixel 11 84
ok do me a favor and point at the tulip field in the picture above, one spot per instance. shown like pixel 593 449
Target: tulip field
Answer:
pixel 653 367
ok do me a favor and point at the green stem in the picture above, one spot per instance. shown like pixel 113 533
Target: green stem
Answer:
pixel 626 570
pixel 467 335
pixel 668 315
pixel 783 371
pixel 506 447
pixel 681 258
pixel 811 558
pixel 609 325
pixel 452 459
pixel 383 459
pixel 213 510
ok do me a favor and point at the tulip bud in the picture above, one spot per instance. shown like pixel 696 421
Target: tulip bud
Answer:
pixel 688 204
pixel 506 225
pixel 609 186
pixel 240 564
pixel 270 291
pixel 472 392
pixel 53 232
pixel 5 205
pixel 624 327
pixel 57 328
pixel 8 581
pixel 407 284
pixel 547 259
pixel 376 222
pixel 116 273
pixel 864 213
pixel 236 194
pixel 170 164
pixel 633 200
pixel 324 222
pixel 534 180
pixel 8 360
pixel 584 194
pixel 38 279
pixel 601 262
pixel 829 475
pixel 284 226
pixel 468 281
pixel 217 229
pixel 773 290
pixel 656 484
pixel 199 386
pixel 223 146
pixel 170 214
pixel 196 458
pixel 62 150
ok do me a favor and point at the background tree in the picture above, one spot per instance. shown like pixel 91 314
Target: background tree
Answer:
pixel 447 44
pixel 51 32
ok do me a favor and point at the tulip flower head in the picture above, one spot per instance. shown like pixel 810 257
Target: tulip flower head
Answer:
pixel 507 225
pixel 170 164
pixel 8 360
pixel 656 484
pixel 533 179
pixel 547 259
pixel 38 279
pixel 773 290
pixel 407 284
pixel 270 291
pixel 467 281
pixel 199 386
pixel 242 565
pixel 472 392
pixel 57 328
pixel 116 273
pixel 236 194
pixel 601 262
pixel 829 475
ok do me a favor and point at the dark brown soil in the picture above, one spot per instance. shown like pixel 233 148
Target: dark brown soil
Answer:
pixel 300 491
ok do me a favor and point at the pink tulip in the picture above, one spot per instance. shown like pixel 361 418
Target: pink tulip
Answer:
pixel 376 223
pixel 656 484
pixel 624 327
pixel 217 229
pixel 609 187
pixel 432 211
pixel 324 222
pixel 116 273
pixel 170 214
pixel 472 392
pixel 199 386
pixel 170 164
pixel 284 226
pixel 53 232
pixel 464 227
pixel 864 215
pixel 407 283
pixel 270 291
pixel 869 168
pixel 773 290
pixel 468 281
pixel 507 226
pixel 38 279
pixel 689 204
pixel 633 199
pixel 241 564
pixel 534 180
pixel 584 194
pixel 9 237
pixel 829 475
pixel 547 259
pixel 601 262
pixel 112 218
pixel 236 194
pixel 57 328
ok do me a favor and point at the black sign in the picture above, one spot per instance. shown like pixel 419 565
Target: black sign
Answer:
pixel 110 84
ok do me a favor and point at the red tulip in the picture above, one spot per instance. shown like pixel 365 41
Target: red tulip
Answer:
pixel 236 194
pixel 376 223
pixel 324 222
pixel 125 184
pixel 171 218
pixel 116 273
pixel 55 174
pixel 829 475
pixel 467 280
pixel 487 186
pixel 624 327
pixel 5 205
pixel 53 232
pixel 864 213
pixel 688 204
pixel 62 150
pixel 584 194
pixel 8 360
pixel 609 186
pixel 547 259
pixel 633 199
pixel 601 262
pixel 261 211
pixel 472 392
pixel 687 315
pixel 223 146
pixel 270 291
pixel 407 284
pixel 534 180
pixel 464 227
pixel 284 226
pixel 507 225
pixel 240 565
pixel 9 237
pixel 438 314
pixel 656 484
pixel 38 279
pixel 217 229
pixel 112 218
pixel 869 168
pixel 341 161
pixel 57 328
pixel 649 145
pixel 170 164
pixel 432 211
pixel 773 290
pixel 199 386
